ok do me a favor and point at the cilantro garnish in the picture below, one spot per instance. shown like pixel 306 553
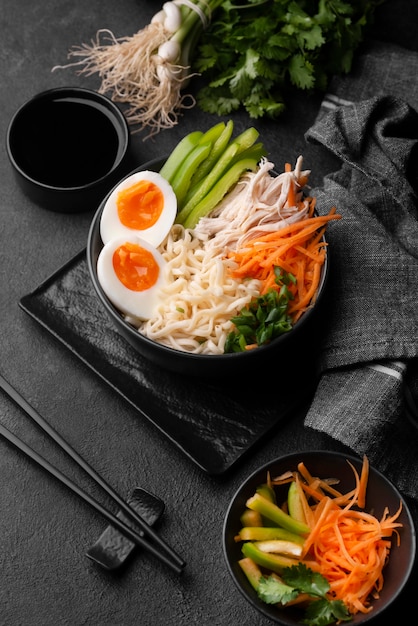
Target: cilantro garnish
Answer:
pixel 301 579
pixel 306 580
pixel 254 50
pixel 272 591
pixel 323 612
pixel 265 318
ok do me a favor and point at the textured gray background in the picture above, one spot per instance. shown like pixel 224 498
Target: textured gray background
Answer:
pixel 44 531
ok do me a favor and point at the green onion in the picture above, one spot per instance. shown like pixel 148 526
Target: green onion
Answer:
pixel 264 319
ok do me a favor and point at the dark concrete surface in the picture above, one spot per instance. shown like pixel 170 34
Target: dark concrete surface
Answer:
pixel 45 578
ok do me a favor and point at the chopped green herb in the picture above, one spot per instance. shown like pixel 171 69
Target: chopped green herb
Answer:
pixel 272 591
pixel 301 579
pixel 323 612
pixel 306 580
pixel 255 50
pixel 264 319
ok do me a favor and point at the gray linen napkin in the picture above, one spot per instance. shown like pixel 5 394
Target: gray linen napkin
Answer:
pixel 371 334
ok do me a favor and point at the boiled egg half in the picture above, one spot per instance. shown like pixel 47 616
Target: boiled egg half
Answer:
pixel 131 274
pixel 144 204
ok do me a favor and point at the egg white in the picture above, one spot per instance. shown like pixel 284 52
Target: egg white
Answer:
pixel 139 305
pixel 110 225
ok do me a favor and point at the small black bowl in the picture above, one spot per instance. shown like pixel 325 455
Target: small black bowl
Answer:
pixel 381 493
pixel 68 146
pixel 282 357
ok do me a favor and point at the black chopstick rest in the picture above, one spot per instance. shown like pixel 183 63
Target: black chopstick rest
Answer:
pixel 112 549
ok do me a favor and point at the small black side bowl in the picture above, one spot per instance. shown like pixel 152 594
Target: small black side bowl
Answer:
pixel 381 493
pixel 281 356
pixel 68 147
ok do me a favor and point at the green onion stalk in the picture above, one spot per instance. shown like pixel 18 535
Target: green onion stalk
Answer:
pixel 149 70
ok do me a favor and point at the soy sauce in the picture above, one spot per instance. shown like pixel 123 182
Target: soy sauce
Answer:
pixel 69 142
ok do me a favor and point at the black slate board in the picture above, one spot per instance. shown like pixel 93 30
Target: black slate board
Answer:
pixel 213 422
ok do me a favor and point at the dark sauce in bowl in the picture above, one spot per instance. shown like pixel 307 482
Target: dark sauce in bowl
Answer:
pixel 67 142
pixel 68 147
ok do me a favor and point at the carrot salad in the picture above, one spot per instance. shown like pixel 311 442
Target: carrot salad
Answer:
pixel 346 545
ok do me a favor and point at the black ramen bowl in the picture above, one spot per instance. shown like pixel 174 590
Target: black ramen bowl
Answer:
pixel 68 147
pixel 381 493
pixel 288 353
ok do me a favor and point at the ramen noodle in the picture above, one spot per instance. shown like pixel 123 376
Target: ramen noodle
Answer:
pixel 199 297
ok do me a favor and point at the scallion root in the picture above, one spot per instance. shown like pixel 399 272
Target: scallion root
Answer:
pixel 132 72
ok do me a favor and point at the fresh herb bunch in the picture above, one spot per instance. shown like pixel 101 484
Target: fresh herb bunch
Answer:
pixel 298 579
pixel 255 49
pixel 265 318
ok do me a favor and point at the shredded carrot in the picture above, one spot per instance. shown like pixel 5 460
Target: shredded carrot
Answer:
pixel 315 493
pixel 291 196
pixel 307 510
pixel 304 472
pixel 312 205
pixel 361 497
pixel 319 485
pixel 350 547
pixel 298 249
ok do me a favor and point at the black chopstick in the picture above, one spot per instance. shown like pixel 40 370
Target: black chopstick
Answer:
pixel 165 553
pixel 116 522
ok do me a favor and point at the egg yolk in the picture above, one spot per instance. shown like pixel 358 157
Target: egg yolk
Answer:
pixel 140 206
pixel 135 267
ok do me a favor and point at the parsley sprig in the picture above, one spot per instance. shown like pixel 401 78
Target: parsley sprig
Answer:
pixel 265 318
pixel 255 49
pixel 301 579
